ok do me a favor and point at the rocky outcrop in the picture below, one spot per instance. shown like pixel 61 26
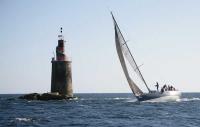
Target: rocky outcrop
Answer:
pixel 45 96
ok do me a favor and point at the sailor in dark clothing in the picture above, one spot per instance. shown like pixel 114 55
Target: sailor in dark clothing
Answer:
pixel 171 88
pixel 164 88
pixel 157 85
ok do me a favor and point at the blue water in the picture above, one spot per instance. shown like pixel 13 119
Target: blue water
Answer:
pixel 100 110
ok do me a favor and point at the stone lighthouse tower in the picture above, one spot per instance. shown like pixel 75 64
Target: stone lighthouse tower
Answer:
pixel 61 76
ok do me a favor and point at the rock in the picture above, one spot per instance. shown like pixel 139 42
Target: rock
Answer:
pixel 32 96
pixel 45 96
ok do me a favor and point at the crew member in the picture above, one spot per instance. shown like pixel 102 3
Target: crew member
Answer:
pixel 157 85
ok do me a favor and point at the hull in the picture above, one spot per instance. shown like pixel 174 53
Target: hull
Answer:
pixel 160 97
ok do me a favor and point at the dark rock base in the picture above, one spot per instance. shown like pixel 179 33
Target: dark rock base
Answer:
pixel 45 96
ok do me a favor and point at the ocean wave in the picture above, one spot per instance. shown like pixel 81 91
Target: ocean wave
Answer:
pixel 156 101
pixel 188 99
pixel 178 100
pixel 115 98
pixel 83 99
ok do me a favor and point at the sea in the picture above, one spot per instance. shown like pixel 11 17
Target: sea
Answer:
pixel 100 110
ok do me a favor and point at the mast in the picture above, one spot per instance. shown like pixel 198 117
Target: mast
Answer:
pixel 140 74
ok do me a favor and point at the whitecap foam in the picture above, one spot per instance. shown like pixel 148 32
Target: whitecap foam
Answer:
pixel 120 98
pixel 73 99
pixel 188 99
pixel 23 119
pixel 132 100
pixel 83 99
pixel 110 98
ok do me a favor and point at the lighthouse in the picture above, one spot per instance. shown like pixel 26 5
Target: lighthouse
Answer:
pixel 61 76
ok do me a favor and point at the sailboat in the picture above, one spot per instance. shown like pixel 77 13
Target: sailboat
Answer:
pixel 124 52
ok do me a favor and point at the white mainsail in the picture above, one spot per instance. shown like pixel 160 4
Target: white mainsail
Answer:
pixel 122 51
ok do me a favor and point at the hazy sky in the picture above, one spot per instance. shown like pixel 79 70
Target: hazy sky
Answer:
pixel 164 36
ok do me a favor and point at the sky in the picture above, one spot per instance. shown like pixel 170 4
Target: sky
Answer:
pixel 163 36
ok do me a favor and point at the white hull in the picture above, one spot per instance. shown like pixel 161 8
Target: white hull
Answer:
pixel 160 97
